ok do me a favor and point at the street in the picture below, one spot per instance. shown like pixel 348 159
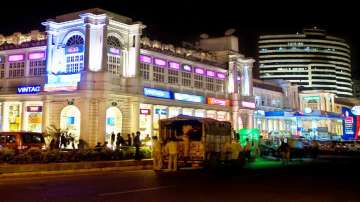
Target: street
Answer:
pixel 306 182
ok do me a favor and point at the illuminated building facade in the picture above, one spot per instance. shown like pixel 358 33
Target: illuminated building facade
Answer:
pixel 312 59
pixel 92 74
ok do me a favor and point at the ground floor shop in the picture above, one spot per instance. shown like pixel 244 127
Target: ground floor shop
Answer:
pixel 94 117
pixel 313 125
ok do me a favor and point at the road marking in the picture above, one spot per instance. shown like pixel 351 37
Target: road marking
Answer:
pixel 134 190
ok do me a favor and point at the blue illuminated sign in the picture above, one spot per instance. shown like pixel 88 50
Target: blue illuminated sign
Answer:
pixel 152 92
pixel 65 82
pixel 70 120
pixel 274 113
pixel 2 59
pixel 28 89
pixel 349 124
pixel 161 111
pixel 110 121
pixel 188 98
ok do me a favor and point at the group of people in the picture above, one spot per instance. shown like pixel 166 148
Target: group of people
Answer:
pixel 234 151
pixel 116 141
pixel 171 149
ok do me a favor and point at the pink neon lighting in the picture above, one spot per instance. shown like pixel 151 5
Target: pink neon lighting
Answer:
pixel 145 59
pixel 36 55
pixel 210 73
pixel 199 71
pixel 160 62
pixel 174 65
pixel 14 58
pixel 248 104
pixel 220 75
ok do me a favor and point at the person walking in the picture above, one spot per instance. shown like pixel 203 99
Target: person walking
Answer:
pixel 112 139
pixel 156 151
pixel 129 140
pixel 285 152
pixel 247 150
pixel 118 140
pixel 171 148
pixel 137 144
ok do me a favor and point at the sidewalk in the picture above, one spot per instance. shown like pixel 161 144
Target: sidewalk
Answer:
pixel 12 170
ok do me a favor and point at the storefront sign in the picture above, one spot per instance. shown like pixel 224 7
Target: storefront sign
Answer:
pixel 37 55
pixel 74 49
pixel 161 111
pixel 274 113
pixel 66 82
pixel 216 101
pixel 248 104
pixel 210 73
pixel 34 108
pixel 356 110
pixel 188 98
pixel 28 89
pixel 174 65
pixel 145 111
pixel 349 124
pixel 311 98
pixel 159 62
pixel 145 59
pixel 199 71
pixel 15 58
pixel 114 51
pixel 152 92
pixel 187 68
pixel 220 75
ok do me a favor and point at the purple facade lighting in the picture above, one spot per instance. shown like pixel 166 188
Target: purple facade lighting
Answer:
pixel 210 73
pixel 145 59
pixel 220 75
pixel 15 58
pixel 187 68
pixel 159 62
pixel 37 55
pixel 174 65
pixel 115 51
pixel 199 71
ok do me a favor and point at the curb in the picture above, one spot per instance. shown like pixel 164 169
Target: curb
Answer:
pixel 79 171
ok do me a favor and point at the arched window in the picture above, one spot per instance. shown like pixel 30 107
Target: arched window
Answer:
pixel 74 50
pixel 114 55
pixel 70 122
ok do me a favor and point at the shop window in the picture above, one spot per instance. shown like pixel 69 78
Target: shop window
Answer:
pixel 70 122
pixel 114 55
pixel 16 69
pixel 2 71
pixel 145 71
pixel 210 84
pixel 186 79
pixel 75 59
pixel 37 67
pixel 158 74
pixel 198 81
pixel 173 76
pixel 219 85
pixel 113 124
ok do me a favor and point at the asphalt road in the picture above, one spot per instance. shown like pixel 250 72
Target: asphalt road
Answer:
pixel 326 181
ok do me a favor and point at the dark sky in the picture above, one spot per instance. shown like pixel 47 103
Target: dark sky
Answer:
pixel 176 21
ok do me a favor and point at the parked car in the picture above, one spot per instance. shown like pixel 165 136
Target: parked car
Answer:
pixel 20 141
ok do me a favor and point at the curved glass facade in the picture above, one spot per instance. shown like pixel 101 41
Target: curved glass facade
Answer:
pixel 312 60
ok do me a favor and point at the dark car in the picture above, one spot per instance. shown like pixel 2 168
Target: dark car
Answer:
pixel 20 141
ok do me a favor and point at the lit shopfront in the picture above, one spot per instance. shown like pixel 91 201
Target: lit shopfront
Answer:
pixel 33 116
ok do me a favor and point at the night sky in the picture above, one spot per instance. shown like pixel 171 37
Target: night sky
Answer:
pixel 177 21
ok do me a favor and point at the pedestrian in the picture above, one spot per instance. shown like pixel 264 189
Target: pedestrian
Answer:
pixel 118 140
pixel 98 147
pixel 63 141
pixel 129 140
pixel 156 150
pixel 247 150
pixel 112 140
pixel 315 149
pixel 137 144
pixel 285 152
pixel 171 149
